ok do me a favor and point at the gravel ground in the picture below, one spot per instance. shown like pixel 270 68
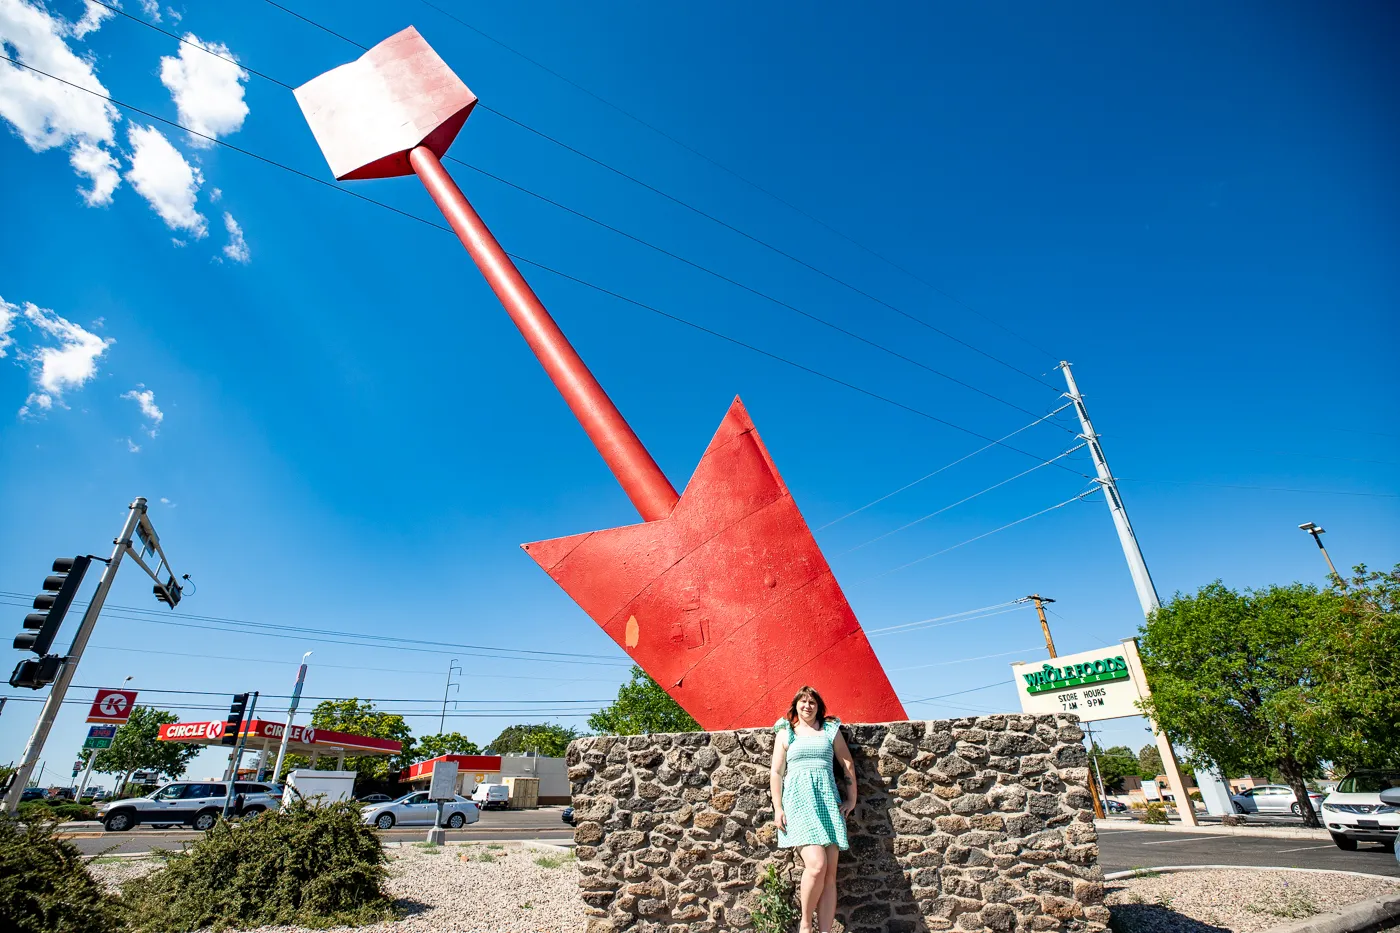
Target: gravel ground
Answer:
pixel 1243 901
pixel 464 888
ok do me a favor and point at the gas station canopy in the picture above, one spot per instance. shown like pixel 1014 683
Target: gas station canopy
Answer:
pixel 264 734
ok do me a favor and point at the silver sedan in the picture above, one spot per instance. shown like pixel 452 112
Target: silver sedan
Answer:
pixel 416 809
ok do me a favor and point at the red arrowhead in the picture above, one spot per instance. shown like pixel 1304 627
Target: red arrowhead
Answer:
pixel 728 601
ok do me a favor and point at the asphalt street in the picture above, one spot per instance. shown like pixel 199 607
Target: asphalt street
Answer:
pixel 543 825
pixel 1123 849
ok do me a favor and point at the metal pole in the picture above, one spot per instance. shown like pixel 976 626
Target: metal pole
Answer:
pixel 442 720
pixel 642 480
pixel 87 774
pixel 1044 624
pixel 238 753
pixel 69 665
pixel 291 714
pixel 1096 791
pixel 1317 534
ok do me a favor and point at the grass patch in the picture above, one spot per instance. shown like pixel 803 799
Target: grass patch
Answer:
pixel 1144 873
pixel 495 845
pixel 1290 904
pixel 550 860
pixel 483 857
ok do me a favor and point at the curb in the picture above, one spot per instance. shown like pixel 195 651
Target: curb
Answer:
pixel 1170 869
pixel 1258 832
pixel 1377 913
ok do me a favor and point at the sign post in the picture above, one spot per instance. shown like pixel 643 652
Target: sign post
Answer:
pixel 98 738
pixel 442 789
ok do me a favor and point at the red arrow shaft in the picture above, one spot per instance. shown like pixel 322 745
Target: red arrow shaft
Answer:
pixel 648 488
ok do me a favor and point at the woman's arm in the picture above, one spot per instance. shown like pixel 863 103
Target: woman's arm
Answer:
pixel 848 765
pixel 775 779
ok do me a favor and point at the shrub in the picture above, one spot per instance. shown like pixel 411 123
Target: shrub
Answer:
pixel 1154 813
pixel 44 885
pixel 776 910
pixel 306 864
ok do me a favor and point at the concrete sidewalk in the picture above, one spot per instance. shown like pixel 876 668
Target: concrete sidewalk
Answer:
pixel 1266 832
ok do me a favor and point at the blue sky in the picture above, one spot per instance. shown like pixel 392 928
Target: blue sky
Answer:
pixel 1196 206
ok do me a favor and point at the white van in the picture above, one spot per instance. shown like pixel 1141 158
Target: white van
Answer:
pixel 491 796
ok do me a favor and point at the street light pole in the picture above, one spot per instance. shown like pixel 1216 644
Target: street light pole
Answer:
pixel 291 712
pixel 1317 532
pixel 451 666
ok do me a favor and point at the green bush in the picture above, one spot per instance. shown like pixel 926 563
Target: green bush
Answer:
pixel 302 865
pixel 1154 813
pixel 776 909
pixel 44 885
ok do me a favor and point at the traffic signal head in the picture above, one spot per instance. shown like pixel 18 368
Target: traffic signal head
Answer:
pixel 35 673
pixel 168 592
pixel 59 590
pixel 235 719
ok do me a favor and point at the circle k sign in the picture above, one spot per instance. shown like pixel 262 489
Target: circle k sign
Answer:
pixel 112 706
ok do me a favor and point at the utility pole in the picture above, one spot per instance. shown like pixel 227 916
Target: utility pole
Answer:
pixel 291 713
pixel 451 666
pixel 1317 531
pixel 1147 598
pixel 1102 795
pixel 1044 623
pixel 136 525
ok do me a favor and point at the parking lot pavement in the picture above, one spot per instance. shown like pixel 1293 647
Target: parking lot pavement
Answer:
pixel 542 825
pixel 1123 849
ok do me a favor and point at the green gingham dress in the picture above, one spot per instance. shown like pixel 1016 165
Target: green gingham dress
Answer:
pixel 810 797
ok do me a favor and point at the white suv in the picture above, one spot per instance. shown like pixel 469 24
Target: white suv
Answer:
pixel 198 803
pixel 1355 813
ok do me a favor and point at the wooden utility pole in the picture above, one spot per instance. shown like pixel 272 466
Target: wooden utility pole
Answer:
pixel 1044 625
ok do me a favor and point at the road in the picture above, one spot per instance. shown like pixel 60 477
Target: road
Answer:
pixel 543 825
pixel 1122 849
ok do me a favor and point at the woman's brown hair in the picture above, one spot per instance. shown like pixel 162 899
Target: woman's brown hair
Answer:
pixel 816 697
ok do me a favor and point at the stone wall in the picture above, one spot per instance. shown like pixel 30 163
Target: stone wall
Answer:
pixel 964 824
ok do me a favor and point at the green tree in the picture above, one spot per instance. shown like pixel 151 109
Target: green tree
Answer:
pixel 1359 679
pixel 642 707
pixel 137 747
pixel 360 717
pixel 1150 761
pixel 1235 678
pixel 445 743
pixel 1114 764
pixel 547 739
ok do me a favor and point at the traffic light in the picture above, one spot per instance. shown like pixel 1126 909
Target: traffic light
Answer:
pixel 36 673
pixel 235 719
pixel 59 590
pixel 168 592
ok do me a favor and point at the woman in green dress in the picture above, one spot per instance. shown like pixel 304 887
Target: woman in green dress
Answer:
pixel 807 806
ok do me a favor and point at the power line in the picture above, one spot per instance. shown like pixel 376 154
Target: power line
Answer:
pixel 617 230
pixel 951 615
pixel 693 151
pixel 538 265
pixel 980 657
pixel 999 683
pixel 945 508
pixel 710 217
pixel 407 714
pixel 946 466
pixel 985 534
pixel 930 623
pixel 367 699
pixel 1308 492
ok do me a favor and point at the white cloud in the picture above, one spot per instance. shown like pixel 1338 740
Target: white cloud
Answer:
pixel 165 501
pixel 8 315
pixel 237 248
pixel 133 446
pixel 46 113
pixel 215 194
pixel 152 10
pixel 160 174
pixel 207 89
pixel 146 398
pixel 66 364
pixel 92 19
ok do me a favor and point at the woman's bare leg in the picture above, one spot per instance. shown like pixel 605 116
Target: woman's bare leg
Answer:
pixel 826 905
pixel 814 875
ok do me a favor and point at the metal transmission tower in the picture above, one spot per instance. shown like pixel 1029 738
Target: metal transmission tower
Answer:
pixel 1213 789
pixel 137 526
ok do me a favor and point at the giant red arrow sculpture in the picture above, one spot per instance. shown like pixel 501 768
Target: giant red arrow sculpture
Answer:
pixel 721 594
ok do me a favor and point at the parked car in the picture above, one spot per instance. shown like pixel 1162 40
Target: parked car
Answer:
pixel 197 803
pixel 1390 797
pixel 33 793
pixel 568 815
pixel 376 798
pixel 61 793
pixel 1115 806
pixel 1272 798
pixel 1357 812
pixel 492 796
pixel 416 809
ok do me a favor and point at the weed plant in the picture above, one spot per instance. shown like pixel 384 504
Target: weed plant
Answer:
pixel 44 885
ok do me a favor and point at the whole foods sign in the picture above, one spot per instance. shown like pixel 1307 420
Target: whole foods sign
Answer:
pixel 1093 685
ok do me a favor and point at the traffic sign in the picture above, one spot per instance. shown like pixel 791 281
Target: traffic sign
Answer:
pixel 112 706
